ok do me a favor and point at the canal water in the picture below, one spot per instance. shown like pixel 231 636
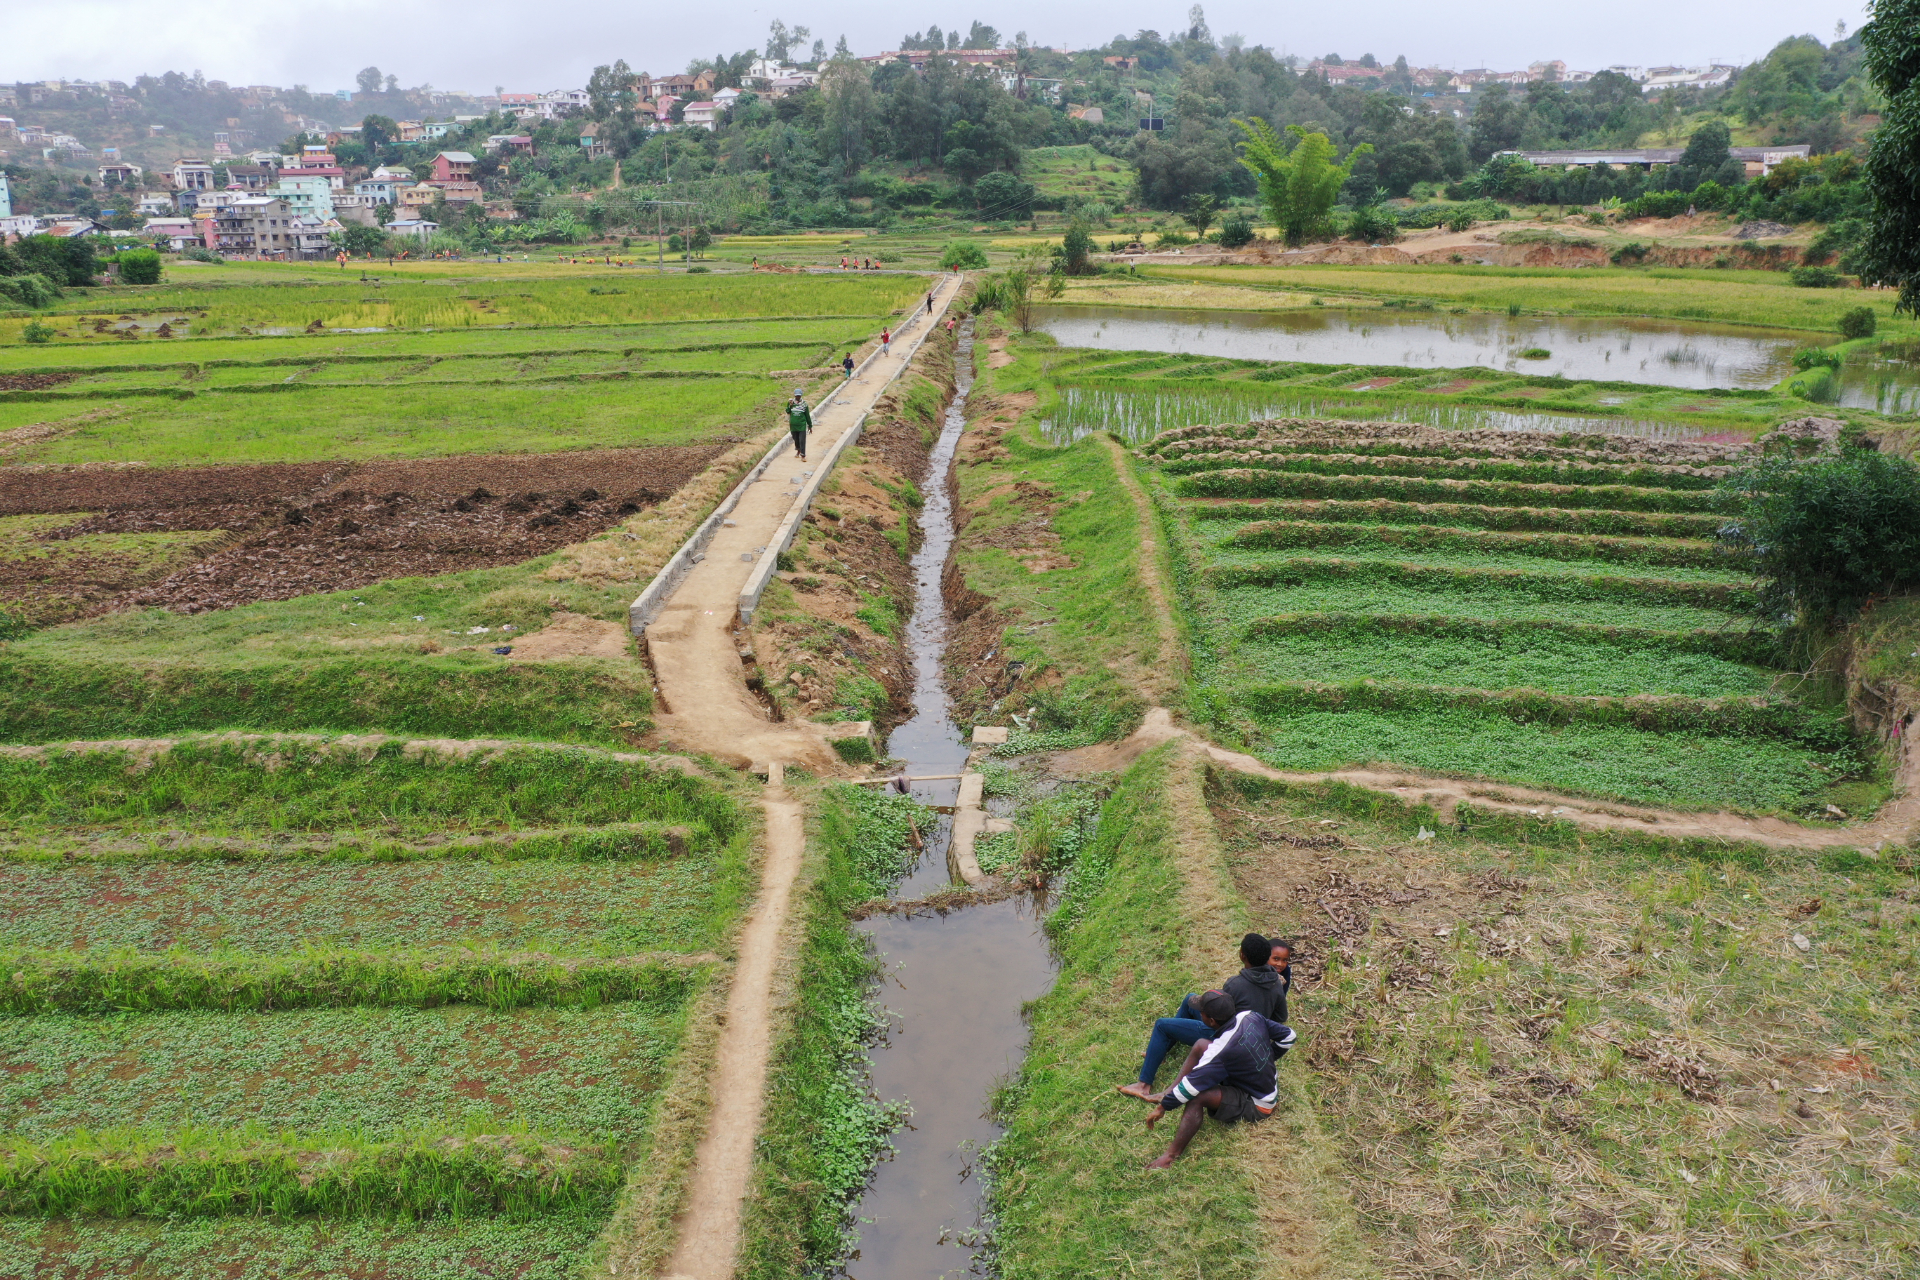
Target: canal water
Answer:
pixel 954 984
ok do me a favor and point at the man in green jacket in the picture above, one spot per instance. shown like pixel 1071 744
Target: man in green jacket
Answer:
pixel 799 421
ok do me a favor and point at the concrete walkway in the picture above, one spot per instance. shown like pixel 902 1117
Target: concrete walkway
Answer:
pixel 704 703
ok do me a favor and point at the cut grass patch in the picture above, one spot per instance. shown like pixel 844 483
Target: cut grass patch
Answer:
pixel 1633 524
pixel 1400 539
pixel 1488 598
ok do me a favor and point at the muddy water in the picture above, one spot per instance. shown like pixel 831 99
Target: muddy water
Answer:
pixel 1669 353
pixel 954 984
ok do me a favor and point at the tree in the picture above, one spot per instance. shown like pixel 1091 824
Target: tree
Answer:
pixel 964 254
pixel 1032 277
pixel 610 90
pixel 1299 185
pixel 1236 231
pixel 1003 195
pixel 368 80
pixel 981 36
pixel 1707 150
pixel 1825 534
pixel 1076 251
pixel 379 131
pixel 139 266
pixel 781 39
pixel 67 261
pixel 848 94
pixel 357 238
pixel 1890 253
pixel 1201 210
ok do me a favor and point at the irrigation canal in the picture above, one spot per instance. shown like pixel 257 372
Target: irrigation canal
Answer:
pixel 954 983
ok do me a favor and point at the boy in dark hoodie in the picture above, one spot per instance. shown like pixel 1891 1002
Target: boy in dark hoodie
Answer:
pixel 1260 987
pixel 1229 1076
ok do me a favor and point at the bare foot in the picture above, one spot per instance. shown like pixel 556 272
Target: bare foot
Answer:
pixel 1164 1162
pixel 1144 1092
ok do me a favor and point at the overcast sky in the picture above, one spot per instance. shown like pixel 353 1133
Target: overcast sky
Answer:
pixel 476 45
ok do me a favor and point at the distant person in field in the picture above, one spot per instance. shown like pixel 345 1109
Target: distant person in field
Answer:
pixel 799 421
pixel 846 364
pixel 886 341
pixel 1229 1075
pixel 1260 987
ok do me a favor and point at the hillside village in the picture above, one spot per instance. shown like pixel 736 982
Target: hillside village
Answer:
pixel 182 163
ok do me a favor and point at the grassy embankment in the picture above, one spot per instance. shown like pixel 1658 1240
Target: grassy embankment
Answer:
pixel 1538 1058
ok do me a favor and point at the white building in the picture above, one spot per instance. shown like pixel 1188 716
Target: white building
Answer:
pixel 180 233
pixel 419 228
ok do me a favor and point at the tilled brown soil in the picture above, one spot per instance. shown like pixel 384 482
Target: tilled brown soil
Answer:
pixel 33 381
pixel 311 527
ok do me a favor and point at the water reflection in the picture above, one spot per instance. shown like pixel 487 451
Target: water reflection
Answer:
pixel 1621 349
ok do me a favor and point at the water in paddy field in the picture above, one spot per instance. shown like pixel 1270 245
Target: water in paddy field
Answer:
pixel 1668 353
pixel 953 984
pixel 1139 416
pixel 1886 380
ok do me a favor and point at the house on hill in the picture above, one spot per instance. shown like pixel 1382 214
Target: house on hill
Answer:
pixel 452 166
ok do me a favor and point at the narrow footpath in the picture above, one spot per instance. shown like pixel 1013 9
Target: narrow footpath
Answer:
pixel 692 639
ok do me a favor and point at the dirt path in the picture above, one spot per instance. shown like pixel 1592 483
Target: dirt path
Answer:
pixel 709 1230
pixel 1173 655
pixel 705 704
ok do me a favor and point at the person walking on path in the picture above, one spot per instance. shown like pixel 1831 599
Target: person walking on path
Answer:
pixel 846 364
pixel 929 302
pixel 886 341
pixel 799 421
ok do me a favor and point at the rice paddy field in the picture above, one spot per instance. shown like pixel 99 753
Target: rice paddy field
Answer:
pixel 235 953
pixel 347 932
pixel 1521 607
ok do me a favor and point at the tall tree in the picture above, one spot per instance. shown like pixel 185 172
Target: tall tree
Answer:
pixel 368 79
pixel 1298 185
pixel 848 97
pixel 1890 254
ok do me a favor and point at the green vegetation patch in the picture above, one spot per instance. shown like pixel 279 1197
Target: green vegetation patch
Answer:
pixel 548 1248
pixel 409 421
pixel 192 1175
pixel 1536 659
pixel 1542 578
pixel 273 785
pixel 1481 469
pixel 1657 552
pixel 264 908
pixel 1242 482
pixel 1632 524
pixel 1615 761
pixel 1490 598
pixel 61 982
pixel 379 1072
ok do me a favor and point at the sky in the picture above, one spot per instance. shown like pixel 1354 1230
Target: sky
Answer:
pixel 478 45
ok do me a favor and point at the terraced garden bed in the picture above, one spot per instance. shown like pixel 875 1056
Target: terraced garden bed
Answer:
pixel 1492 604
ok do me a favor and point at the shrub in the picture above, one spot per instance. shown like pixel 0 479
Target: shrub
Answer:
pixel 1535 353
pixel 139 266
pixel 964 254
pixel 37 332
pixel 1236 231
pixel 199 254
pixel 1857 323
pixel 30 290
pixel 1816 358
pixel 1374 224
pixel 1076 248
pixel 1825 534
pixel 1631 252
pixel 1460 220
pixel 1814 277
